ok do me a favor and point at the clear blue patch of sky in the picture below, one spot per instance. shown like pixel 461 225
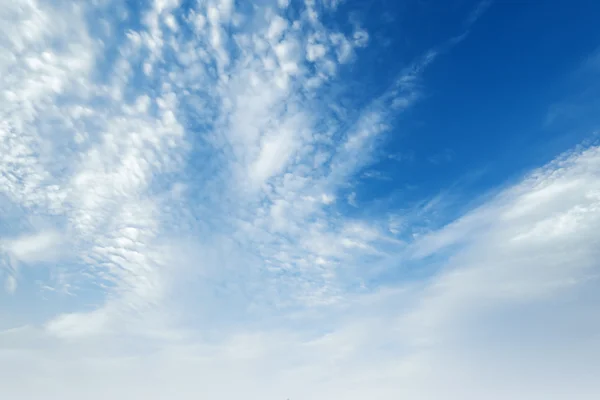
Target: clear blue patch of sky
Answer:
pixel 33 302
pixel 484 116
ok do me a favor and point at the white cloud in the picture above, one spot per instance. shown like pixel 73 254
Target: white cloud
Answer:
pixel 41 246
pixel 327 199
pixel 197 199
pixel 77 325
pixel 276 28
pixel 91 168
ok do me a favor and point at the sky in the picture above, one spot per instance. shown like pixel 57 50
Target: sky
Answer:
pixel 286 199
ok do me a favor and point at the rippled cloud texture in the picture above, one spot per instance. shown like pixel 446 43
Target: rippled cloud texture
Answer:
pixel 179 218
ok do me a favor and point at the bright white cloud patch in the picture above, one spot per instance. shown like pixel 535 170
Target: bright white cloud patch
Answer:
pixel 174 190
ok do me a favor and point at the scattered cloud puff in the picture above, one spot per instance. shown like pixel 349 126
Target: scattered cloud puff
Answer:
pixel 180 171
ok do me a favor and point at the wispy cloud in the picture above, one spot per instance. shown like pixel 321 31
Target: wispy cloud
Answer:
pixel 520 268
pixel 183 171
pixel 105 126
pixel 478 12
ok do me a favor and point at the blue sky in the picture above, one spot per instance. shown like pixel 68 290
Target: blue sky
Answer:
pixel 299 199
